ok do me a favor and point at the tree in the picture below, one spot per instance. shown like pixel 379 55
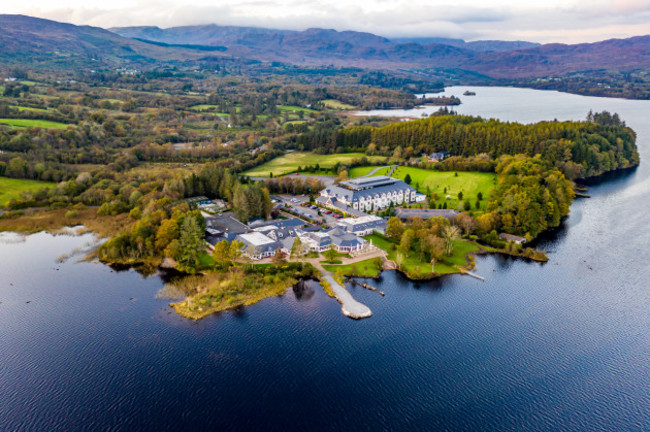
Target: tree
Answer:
pixel 460 196
pixel 279 257
pixel 330 253
pixel 450 233
pixel 435 246
pixel 221 252
pixel 466 222
pixel 167 231
pixel 235 250
pixel 407 179
pixel 296 248
pixel 406 242
pixel 394 228
pixel 191 245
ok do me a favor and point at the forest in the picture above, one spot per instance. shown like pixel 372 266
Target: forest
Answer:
pixel 578 149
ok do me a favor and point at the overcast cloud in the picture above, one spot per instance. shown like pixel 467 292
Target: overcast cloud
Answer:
pixel 567 21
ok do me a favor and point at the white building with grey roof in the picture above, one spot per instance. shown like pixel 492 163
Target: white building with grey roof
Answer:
pixel 363 226
pixel 372 193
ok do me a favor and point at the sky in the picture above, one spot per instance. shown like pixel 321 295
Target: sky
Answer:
pixel 567 21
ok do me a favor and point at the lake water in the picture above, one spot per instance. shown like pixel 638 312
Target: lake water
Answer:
pixel 560 346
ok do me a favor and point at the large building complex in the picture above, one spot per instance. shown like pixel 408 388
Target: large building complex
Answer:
pixel 372 193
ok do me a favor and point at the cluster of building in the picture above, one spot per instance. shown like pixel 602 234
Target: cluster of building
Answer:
pixel 368 194
pixel 264 239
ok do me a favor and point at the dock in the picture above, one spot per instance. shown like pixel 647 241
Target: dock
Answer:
pixel 349 306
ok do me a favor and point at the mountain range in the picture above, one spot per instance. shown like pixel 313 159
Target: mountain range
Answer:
pixel 27 39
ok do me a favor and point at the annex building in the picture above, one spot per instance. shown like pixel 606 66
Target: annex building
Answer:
pixel 372 193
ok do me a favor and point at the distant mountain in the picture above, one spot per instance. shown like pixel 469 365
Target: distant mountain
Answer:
pixel 495 59
pixel 481 45
pixel 36 41
pixel 33 41
pixel 312 46
pixel 558 59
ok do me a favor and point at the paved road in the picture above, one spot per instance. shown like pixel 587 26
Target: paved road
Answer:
pixel 371 173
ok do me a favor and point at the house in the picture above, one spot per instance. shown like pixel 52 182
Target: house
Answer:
pixel 345 242
pixel 372 193
pixel 337 205
pixel 438 156
pixel 317 241
pixel 512 238
pixel 223 224
pixel 258 246
pixel 405 214
pixel 363 226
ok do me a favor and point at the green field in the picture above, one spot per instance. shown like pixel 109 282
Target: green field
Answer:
pixel 414 266
pixel 22 108
pixel 206 107
pixel 12 188
pixel 24 123
pixel 337 105
pixel 294 108
pixel 470 183
pixel 294 122
pixel 361 171
pixel 290 162
pixel 365 268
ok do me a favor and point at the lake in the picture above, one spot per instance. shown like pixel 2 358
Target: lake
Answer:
pixel 558 346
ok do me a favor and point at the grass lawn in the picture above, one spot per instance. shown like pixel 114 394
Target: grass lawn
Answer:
pixel 413 265
pixel 366 268
pixel 361 171
pixel 206 261
pixel 290 162
pixel 22 108
pixel 12 188
pixel 206 107
pixel 23 123
pixel 337 105
pixel 294 122
pixel 294 108
pixel 470 183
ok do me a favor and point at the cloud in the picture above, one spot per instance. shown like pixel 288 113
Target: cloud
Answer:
pixel 538 20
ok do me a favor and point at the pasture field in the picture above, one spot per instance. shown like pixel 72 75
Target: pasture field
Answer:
pixel 337 105
pixel 12 188
pixel 290 162
pixel 294 108
pixel 24 123
pixel 23 108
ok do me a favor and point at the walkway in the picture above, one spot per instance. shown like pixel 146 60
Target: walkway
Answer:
pixel 371 173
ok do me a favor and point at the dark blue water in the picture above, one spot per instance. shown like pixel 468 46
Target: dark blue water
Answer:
pixel 561 346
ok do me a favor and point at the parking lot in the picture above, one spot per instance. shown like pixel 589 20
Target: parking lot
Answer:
pixel 297 200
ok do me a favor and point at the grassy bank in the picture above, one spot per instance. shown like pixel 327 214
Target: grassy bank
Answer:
pixel 242 286
pixel 12 188
pixel 367 268
pixel 417 269
pixel 290 162
pixel 31 221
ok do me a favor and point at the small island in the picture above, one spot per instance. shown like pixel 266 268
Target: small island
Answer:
pixel 469 93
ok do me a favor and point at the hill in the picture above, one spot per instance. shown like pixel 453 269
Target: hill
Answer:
pixel 495 59
pixel 34 41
